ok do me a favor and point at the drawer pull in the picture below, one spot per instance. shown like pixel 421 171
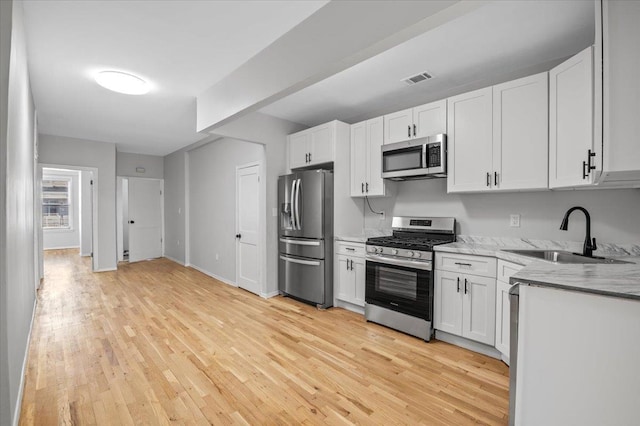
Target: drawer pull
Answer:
pixel 350 249
pixel 462 264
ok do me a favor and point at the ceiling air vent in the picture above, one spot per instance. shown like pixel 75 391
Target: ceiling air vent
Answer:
pixel 417 78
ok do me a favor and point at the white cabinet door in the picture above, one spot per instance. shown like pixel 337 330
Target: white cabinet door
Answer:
pixel 299 149
pixel 359 273
pixel 375 138
pixel 321 148
pixel 479 308
pixel 358 158
pixel 571 121
pixel 398 126
pixel 346 279
pixel 521 133
pixel 430 119
pixel 503 317
pixel 470 141
pixel 447 302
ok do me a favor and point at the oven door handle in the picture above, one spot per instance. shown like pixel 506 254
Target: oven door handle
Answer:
pixel 425 266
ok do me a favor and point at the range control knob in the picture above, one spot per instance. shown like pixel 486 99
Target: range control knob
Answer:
pixel 394 251
pixel 377 249
pixel 417 254
pixel 410 253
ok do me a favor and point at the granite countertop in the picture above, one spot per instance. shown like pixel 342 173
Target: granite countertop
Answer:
pixel 618 280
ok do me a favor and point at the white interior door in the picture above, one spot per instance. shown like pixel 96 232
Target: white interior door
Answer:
pixel 248 228
pixel 145 219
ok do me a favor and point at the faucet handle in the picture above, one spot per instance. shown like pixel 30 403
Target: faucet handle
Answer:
pixel 593 245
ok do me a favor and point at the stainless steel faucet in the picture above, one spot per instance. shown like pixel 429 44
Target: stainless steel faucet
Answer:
pixel 589 245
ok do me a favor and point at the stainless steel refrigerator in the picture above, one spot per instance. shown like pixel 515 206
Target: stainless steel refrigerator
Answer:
pixel 305 234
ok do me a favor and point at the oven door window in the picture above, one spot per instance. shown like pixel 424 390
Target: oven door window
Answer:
pixel 397 282
pixel 402 159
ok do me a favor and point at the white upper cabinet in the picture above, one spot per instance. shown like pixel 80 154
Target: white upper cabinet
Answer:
pixel 366 158
pixel 573 154
pixel 421 121
pixel 313 146
pixel 521 133
pixel 469 141
pixel 498 137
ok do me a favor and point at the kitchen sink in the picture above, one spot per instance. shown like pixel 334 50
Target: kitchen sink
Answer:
pixel 563 256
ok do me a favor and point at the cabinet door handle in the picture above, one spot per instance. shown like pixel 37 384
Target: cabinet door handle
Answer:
pixel 590 154
pixel 309 157
pixel 414 130
pixel 584 170
pixel 462 264
pixel 488 179
pixel 362 186
pixel 351 265
pixel 409 131
pixel 306 158
pixel 458 287
pixel 347 264
pixel 465 286
pixel 367 187
pixel 495 178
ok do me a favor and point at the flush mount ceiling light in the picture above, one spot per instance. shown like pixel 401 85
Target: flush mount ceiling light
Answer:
pixel 122 82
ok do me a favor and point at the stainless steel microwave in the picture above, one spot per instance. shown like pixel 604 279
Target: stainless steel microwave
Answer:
pixel 421 158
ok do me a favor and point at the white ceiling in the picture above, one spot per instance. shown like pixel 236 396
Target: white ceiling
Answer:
pixel 180 47
pixel 496 40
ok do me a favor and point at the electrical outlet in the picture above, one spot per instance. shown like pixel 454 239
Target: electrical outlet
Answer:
pixel 382 215
pixel 514 221
pixel 217 256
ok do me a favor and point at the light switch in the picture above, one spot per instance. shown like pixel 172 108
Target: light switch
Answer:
pixel 514 221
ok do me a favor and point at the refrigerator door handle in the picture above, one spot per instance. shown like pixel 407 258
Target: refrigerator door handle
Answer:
pixel 298 204
pixel 293 215
pixel 300 243
pixel 300 261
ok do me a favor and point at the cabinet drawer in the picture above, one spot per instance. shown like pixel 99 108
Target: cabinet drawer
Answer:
pixel 474 265
pixel 350 249
pixel 506 270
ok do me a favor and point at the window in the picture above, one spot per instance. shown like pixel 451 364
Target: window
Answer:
pixel 56 202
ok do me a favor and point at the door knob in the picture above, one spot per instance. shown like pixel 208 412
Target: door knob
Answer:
pixel 238 236
pixel 132 221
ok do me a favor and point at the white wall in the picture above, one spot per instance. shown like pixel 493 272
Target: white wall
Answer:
pixel 65 238
pixel 212 216
pixel 17 207
pixel 85 212
pixel 614 212
pixel 64 151
pixel 126 164
pixel 174 206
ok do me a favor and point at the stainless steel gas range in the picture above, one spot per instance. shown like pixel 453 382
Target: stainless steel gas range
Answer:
pixel 399 280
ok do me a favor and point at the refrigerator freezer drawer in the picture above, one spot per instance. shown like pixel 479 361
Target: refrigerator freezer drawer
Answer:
pixel 302 247
pixel 302 278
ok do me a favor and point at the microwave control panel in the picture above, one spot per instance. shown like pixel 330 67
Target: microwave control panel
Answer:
pixel 434 155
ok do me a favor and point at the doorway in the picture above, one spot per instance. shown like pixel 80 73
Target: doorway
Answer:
pixel 67 211
pixel 140 219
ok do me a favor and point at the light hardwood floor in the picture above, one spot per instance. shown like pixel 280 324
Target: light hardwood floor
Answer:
pixel 157 343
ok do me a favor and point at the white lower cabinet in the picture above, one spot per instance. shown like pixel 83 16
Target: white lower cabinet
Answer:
pixel 351 271
pixel 465 305
pixel 503 307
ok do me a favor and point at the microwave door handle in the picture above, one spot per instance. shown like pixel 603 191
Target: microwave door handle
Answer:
pixel 299 181
pixel 425 165
pixel 292 209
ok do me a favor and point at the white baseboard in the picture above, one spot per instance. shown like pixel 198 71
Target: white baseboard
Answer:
pixel 212 275
pixel 175 260
pixel 270 294
pixel 106 270
pixel 349 306
pixel 469 344
pixel 85 254
pixel 61 248
pixel 16 414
